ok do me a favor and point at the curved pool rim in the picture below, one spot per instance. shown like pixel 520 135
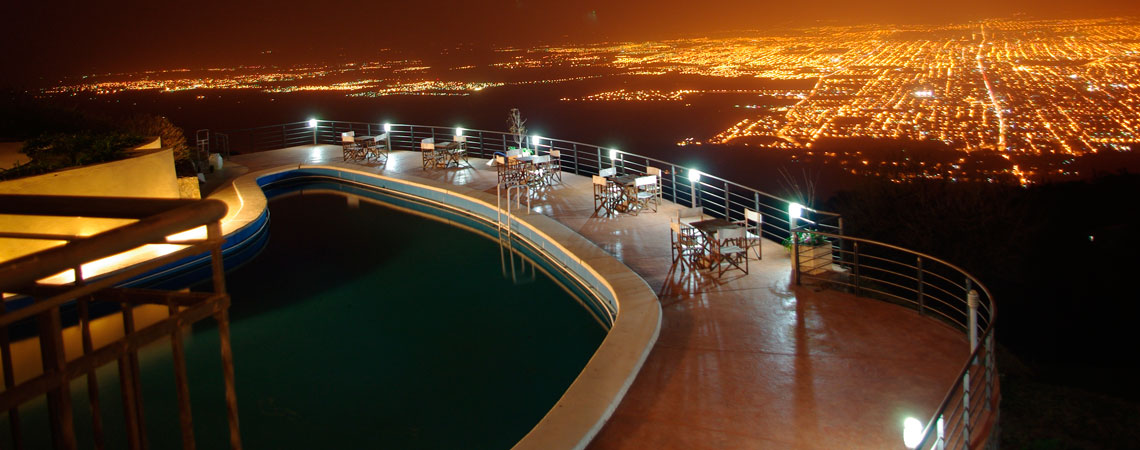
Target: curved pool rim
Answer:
pixel 595 393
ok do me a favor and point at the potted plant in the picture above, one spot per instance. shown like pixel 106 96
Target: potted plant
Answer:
pixel 517 126
pixel 814 251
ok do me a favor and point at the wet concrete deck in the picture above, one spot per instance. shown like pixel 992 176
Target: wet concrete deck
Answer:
pixel 744 361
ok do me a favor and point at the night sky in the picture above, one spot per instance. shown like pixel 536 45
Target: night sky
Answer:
pixel 45 38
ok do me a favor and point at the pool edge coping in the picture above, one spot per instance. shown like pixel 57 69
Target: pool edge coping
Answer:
pixel 593 396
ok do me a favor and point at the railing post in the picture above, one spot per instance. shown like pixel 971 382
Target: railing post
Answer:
pixel 795 258
pixel 315 128
pixel 577 167
pixel 921 285
pixel 972 302
pixel 855 269
pixel 694 188
pixel 9 382
pixel 756 207
pixel 673 177
pixel 727 203
pixel 59 399
pixel 214 233
pixel 966 433
pixel 989 361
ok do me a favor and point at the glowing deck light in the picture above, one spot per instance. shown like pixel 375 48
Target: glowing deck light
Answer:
pixel 459 131
pixel 912 432
pixel 613 153
pixel 534 140
pixel 312 123
pixel 795 210
pixel 694 175
pixel 387 127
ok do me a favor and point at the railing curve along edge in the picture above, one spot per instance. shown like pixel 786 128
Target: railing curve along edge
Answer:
pixel 968 414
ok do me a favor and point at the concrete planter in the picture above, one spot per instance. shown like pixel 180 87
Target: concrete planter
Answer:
pixel 815 260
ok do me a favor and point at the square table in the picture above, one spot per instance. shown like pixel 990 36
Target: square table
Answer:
pixel 711 245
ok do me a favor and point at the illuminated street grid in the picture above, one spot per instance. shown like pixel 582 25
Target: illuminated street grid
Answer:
pixel 1010 87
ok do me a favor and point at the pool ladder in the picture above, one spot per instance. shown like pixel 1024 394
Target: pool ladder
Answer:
pixel 523 271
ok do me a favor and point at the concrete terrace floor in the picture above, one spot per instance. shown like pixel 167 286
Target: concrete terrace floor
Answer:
pixel 747 361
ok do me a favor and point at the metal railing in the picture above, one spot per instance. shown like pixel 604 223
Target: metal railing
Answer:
pixel 867 268
pixel 681 185
pixel 157 219
pixel 968 414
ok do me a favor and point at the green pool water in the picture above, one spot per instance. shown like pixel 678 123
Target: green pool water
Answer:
pixel 364 326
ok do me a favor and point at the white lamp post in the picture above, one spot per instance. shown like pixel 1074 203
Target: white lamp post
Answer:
pixel 912 432
pixel 313 125
pixel 795 211
pixel 694 180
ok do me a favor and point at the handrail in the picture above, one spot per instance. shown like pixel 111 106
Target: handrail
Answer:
pixel 972 420
pixel 720 197
pixel 22 271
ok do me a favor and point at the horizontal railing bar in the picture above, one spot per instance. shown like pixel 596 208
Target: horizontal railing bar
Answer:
pixel 83 206
pixel 187 215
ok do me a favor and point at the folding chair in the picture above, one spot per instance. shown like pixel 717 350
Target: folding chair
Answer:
pixel 686 245
pixel 647 189
pixel 752 223
pixel 604 195
pixel 731 248
pixel 555 166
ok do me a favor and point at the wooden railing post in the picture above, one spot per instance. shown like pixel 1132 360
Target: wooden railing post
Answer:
pixel 54 362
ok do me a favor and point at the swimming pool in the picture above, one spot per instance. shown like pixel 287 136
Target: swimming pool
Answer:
pixel 366 323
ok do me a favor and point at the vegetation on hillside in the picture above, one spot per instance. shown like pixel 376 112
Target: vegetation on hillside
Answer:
pixel 56 139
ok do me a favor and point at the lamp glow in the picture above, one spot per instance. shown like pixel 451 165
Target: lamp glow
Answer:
pixel 912 432
pixel 613 153
pixel 387 127
pixel 459 131
pixel 534 140
pixel 312 123
pixel 795 210
pixel 694 175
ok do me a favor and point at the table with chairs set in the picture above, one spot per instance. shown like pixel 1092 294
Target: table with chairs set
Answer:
pixel 626 193
pixel 445 154
pixel 704 243
pixel 365 148
pixel 514 168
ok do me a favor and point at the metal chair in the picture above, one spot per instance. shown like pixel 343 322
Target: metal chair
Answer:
pixel 731 248
pixel 752 223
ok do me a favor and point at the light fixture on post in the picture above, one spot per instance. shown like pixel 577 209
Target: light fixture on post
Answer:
pixel 387 127
pixel 313 125
pixel 912 432
pixel 795 211
pixel 459 131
